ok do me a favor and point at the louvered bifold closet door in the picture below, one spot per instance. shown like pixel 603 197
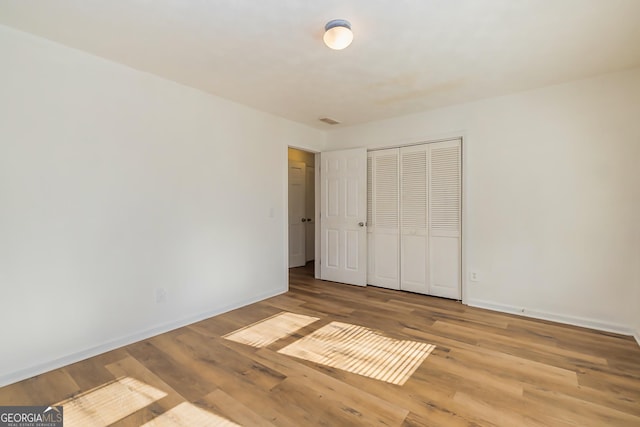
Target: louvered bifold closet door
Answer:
pixel 414 242
pixel 382 218
pixel 445 218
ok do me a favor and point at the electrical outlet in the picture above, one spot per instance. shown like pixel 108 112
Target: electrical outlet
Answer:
pixel 474 276
pixel 161 295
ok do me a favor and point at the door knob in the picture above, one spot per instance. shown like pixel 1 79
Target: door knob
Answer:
pixel 308 219
pixel 361 224
pixel 304 220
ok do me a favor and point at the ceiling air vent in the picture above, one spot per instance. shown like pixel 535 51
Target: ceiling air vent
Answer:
pixel 329 121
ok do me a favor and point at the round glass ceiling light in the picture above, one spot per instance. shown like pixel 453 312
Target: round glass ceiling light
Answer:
pixel 337 34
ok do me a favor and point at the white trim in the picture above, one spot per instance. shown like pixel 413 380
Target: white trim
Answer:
pixel 41 368
pixel 464 209
pixel 560 318
pixel 285 214
pixel 318 249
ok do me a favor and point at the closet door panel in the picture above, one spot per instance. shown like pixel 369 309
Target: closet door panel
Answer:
pixel 383 223
pixel 445 218
pixel 370 235
pixel 413 219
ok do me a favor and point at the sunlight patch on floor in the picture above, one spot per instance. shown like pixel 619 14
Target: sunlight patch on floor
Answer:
pixel 361 351
pixel 109 403
pixel 187 415
pixel 271 329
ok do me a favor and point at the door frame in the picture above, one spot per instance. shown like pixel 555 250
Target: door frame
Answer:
pixel 302 229
pixel 316 219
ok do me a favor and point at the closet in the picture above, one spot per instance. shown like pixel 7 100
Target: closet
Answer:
pixel 414 218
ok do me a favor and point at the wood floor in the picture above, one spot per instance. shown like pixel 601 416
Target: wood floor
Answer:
pixel 486 369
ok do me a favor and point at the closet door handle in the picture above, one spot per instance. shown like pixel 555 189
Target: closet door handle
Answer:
pixel 304 220
pixel 361 224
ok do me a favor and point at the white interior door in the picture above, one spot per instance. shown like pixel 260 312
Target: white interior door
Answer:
pixel 297 228
pixel 343 216
pixel 383 237
pixel 445 184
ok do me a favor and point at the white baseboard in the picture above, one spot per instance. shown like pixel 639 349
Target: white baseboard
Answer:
pixel 47 366
pixel 560 318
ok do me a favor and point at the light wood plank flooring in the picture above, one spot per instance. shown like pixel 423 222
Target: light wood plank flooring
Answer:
pixel 487 369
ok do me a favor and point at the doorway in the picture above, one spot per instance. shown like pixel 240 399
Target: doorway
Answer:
pixel 302 207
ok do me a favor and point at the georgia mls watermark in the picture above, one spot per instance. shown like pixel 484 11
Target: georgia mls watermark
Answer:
pixel 31 416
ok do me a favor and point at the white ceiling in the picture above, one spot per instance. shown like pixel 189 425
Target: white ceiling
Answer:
pixel 407 56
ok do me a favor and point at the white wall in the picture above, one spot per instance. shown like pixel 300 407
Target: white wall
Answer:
pixel 551 200
pixel 113 183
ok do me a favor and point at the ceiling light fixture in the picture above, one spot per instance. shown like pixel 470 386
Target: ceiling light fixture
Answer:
pixel 337 34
